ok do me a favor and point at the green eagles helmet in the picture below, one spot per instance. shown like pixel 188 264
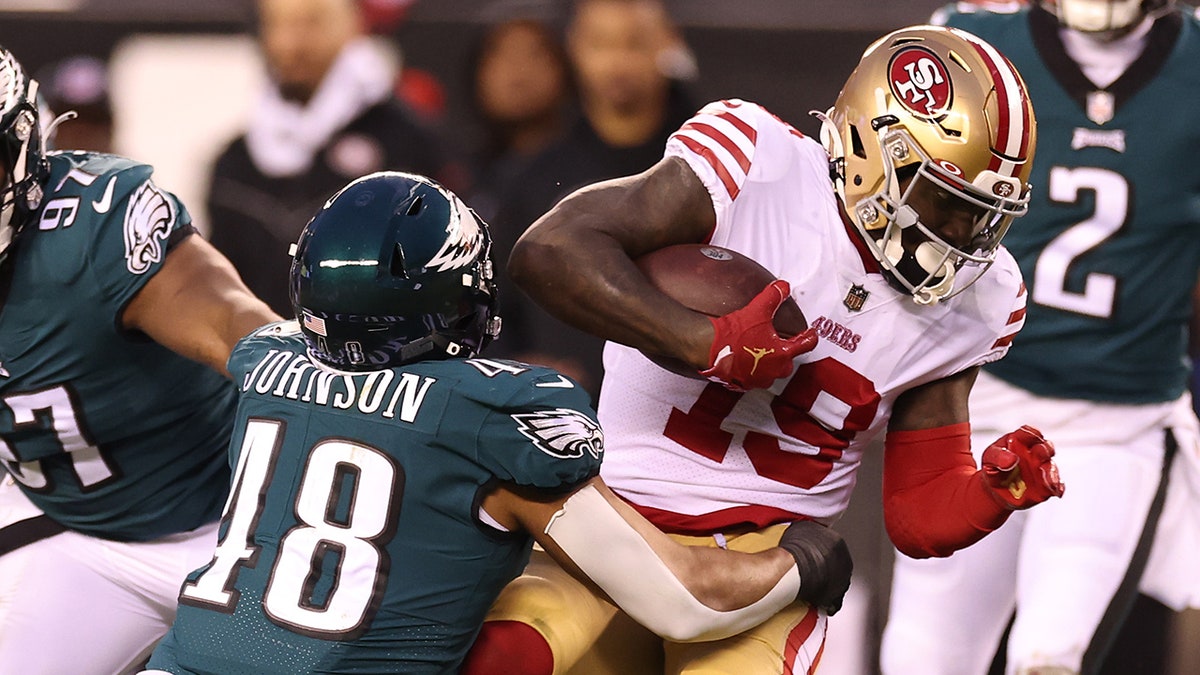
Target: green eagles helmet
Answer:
pixel 393 269
pixel 21 156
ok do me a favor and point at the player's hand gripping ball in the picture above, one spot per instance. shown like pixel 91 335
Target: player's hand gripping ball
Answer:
pixel 1020 469
pixel 758 327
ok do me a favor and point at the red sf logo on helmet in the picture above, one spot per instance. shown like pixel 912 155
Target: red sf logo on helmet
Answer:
pixel 919 80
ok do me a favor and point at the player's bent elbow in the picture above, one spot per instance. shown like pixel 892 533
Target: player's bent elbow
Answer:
pixel 913 540
pixel 528 260
pixel 919 551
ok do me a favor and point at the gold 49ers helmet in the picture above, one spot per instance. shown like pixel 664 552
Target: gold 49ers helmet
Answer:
pixel 932 121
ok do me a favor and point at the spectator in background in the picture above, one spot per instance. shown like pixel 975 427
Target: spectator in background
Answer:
pixel 626 56
pixel 521 89
pixel 327 114
pixel 520 85
pixel 79 84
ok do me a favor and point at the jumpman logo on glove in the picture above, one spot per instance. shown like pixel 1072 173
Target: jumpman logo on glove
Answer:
pixel 747 352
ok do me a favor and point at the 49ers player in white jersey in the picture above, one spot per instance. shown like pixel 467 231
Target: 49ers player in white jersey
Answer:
pixel 883 237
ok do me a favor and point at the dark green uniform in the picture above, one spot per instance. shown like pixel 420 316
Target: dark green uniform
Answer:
pixel 1110 249
pixel 353 542
pixel 108 432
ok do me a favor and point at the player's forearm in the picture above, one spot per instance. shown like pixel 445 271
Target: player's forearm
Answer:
pixel 245 314
pixel 661 584
pixel 570 265
pixel 604 294
pixel 935 499
pixel 223 314
pixel 727 580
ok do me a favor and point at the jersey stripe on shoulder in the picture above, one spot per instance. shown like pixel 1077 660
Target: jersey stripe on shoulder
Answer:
pixel 1016 320
pixel 721 134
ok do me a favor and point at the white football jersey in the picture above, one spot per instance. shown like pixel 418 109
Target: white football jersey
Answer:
pixel 695 457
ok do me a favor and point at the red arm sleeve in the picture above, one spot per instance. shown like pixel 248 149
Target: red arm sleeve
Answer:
pixel 935 500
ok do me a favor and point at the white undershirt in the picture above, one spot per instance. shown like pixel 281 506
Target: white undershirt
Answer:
pixel 1103 62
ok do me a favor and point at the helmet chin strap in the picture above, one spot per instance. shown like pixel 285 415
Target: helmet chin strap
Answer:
pixel 930 256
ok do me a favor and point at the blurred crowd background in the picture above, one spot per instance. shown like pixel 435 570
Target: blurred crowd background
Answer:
pixel 495 90
pixel 184 74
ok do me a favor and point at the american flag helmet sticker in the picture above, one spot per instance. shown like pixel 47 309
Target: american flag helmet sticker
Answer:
pixel 315 323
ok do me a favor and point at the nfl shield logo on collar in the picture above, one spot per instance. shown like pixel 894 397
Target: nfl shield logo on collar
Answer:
pixel 1101 106
pixel 856 297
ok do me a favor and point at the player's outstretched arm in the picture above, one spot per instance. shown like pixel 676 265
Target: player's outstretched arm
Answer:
pixel 197 305
pixel 935 500
pixel 576 261
pixel 682 593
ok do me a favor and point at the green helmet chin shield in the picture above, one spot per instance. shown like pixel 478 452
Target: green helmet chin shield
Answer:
pixel 394 269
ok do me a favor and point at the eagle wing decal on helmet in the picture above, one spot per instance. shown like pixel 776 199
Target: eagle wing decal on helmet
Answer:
pixel 562 432
pixel 463 239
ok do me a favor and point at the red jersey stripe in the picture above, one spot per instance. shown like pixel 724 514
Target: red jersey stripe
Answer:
pixel 1016 316
pixel 695 146
pixel 740 124
pixel 732 148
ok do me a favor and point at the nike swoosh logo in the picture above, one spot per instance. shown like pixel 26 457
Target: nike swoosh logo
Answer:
pixel 105 202
pixel 563 383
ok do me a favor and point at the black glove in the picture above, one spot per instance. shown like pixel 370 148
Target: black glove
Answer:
pixel 824 563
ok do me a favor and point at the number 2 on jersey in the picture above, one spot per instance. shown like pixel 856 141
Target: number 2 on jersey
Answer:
pixel 824 405
pixel 357 538
pixel 1111 194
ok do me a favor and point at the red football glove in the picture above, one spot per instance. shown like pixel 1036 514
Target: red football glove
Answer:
pixel 746 351
pixel 1019 467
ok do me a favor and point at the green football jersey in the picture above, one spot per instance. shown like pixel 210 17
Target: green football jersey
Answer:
pixel 108 432
pixel 352 542
pixel 1110 248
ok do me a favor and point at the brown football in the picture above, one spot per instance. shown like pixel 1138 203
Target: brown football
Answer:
pixel 715 281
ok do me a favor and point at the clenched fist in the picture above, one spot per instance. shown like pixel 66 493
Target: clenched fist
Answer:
pixel 1019 468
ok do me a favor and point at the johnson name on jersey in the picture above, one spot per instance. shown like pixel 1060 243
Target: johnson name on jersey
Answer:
pixel 696 457
pixel 1110 248
pixel 352 539
pixel 107 432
